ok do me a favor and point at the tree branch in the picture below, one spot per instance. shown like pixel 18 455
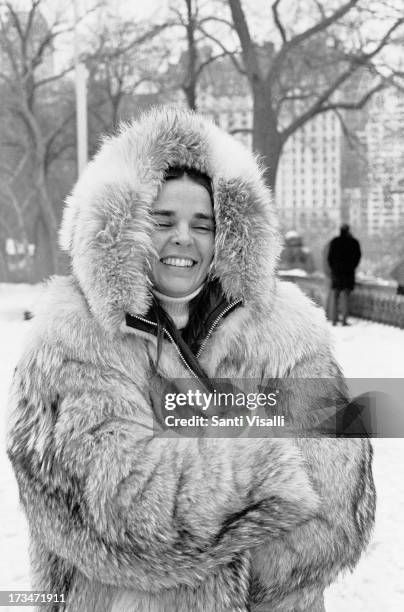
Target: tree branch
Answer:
pixel 320 9
pixel 357 61
pixel 322 25
pixel 217 20
pixel 359 103
pixel 248 51
pixel 54 77
pixel 56 154
pixel 8 80
pixel 16 20
pixel 292 98
pixel 384 40
pixel 296 40
pixel 36 58
pixel 320 107
pixel 34 5
pixel 58 129
pixel 212 59
pixel 231 54
pixel 10 52
pixel 149 35
pixel 17 207
pixel 351 137
pixel 277 20
pixel 177 12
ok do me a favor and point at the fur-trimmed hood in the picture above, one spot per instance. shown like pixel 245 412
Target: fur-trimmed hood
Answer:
pixel 107 223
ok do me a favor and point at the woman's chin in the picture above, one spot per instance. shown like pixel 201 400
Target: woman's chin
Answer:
pixel 178 284
pixel 176 289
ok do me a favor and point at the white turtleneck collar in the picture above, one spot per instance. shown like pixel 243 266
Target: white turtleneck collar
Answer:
pixel 177 307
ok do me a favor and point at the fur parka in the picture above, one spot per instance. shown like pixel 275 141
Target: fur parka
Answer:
pixel 122 519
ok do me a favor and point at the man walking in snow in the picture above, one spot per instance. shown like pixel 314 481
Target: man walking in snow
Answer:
pixel 398 274
pixel 343 258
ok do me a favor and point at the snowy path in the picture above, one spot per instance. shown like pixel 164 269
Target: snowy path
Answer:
pixel 370 350
pixel 364 350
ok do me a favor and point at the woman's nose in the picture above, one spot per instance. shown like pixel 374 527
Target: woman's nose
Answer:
pixel 182 235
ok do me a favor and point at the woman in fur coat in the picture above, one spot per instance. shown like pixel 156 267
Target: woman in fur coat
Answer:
pixel 174 245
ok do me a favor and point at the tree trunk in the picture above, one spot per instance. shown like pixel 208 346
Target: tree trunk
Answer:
pixel 4 275
pixel 189 86
pixel 190 95
pixel 46 238
pixel 46 231
pixel 45 250
pixel 115 104
pixel 266 138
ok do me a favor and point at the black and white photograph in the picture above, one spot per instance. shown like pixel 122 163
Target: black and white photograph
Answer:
pixel 202 305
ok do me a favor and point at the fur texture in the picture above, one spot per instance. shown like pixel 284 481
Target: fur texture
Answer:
pixel 122 519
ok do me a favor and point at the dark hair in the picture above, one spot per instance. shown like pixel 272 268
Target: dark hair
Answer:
pixel 172 173
pixel 177 172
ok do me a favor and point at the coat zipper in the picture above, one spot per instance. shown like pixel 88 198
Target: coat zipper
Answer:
pixel 181 356
pixel 172 341
pixel 211 329
pixel 214 324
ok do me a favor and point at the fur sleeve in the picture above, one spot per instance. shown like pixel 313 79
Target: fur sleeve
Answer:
pixel 129 508
pixel 309 558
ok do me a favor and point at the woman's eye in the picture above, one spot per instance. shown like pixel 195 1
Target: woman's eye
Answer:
pixel 204 228
pixel 163 224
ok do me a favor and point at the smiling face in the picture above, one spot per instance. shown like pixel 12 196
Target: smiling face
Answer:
pixel 183 238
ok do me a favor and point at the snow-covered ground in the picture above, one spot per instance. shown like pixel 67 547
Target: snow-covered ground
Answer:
pixel 365 350
pixel 371 350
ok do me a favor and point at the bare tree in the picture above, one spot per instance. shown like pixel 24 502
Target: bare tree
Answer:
pixel 125 56
pixel 191 56
pixel 188 19
pixel 309 70
pixel 34 136
pixel 11 196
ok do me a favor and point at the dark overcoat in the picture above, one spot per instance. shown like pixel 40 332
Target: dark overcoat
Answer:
pixel 344 255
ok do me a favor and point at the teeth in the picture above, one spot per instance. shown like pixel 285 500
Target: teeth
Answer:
pixel 176 261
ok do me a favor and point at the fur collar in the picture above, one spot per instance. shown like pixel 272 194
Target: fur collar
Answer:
pixel 107 224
